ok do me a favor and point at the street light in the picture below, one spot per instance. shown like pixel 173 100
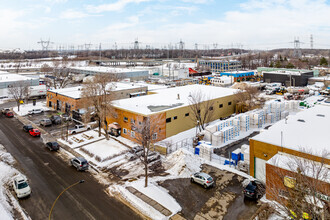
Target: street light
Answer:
pixel 51 210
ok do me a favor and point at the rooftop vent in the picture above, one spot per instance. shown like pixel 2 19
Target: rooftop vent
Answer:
pixel 320 115
pixel 301 120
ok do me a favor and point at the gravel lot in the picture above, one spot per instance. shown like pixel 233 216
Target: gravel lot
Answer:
pixel 224 201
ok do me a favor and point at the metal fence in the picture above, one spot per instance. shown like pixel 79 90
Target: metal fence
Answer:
pixel 188 145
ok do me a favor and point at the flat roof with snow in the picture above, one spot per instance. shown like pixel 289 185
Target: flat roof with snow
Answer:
pixel 12 77
pixel 171 98
pixel 75 92
pixel 306 131
pixel 103 69
pixel 284 72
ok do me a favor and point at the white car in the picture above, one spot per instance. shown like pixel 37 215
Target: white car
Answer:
pixel 36 111
pixel 21 186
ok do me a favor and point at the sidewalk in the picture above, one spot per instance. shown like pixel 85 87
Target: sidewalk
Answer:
pixel 149 201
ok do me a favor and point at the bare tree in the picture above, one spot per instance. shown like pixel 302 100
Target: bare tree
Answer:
pixel 146 136
pixel 247 98
pixel 201 108
pixel 19 90
pixel 59 73
pixel 97 94
pixel 300 186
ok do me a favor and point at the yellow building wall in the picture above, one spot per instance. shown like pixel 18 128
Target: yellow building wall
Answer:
pixel 183 123
pixel 266 151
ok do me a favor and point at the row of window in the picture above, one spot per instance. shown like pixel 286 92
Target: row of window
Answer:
pixel 168 120
pixel 132 133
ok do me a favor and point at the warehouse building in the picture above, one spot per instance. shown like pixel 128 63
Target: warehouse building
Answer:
pixel 219 66
pixel 171 107
pixel 239 76
pixel 9 79
pixel 288 78
pixel 300 137
pixel 70 99
pixel 120 73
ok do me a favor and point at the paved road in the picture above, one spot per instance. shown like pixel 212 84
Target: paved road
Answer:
pixel 49 175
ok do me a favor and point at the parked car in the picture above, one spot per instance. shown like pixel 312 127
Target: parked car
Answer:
pixel 53 146
pixel 79 163
pixel 21 186
pixel 45 122
pixel 9 114
pixel 5 110
pixel 35 111
pixel 203 179
pixel 79 128
pixel 34 132
pixel 66 117
pixel 56 119
pixel 254 190
pixel 27 128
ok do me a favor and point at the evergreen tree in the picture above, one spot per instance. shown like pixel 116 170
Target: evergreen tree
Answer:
pixel 289 66
pixel 323 61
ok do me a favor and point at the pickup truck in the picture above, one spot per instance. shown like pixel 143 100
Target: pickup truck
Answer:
pixel 79 128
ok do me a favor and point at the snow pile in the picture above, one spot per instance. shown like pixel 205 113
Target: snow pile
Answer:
pixel 25 108
pixel 182 163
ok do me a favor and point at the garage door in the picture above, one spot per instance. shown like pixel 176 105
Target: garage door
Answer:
pixel 260 169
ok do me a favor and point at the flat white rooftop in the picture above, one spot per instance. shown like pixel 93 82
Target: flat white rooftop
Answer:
pixel 166 99
pixel 307 131
pixel 12 77
pixel 103 69
pixel 284 72
pixel 75 92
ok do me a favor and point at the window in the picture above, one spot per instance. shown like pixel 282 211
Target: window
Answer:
pixel 133 134
pixel 154 136
pixel 229 103
pixel 199 111
pixel 211 108
pixel 140 122
pixel 221 105
pixel 168 120
pixel 125 130
pixel 132 121
pixel 187 114
pixel 125 119
pixel 175 117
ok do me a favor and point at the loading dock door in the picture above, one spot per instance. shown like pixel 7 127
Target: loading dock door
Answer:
pixel 260 169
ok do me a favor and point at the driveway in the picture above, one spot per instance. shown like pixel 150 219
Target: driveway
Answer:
pixel 49 174
pixel 224 201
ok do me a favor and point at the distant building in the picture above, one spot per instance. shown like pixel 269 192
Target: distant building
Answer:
pixel 9 79
pixel 239 76
pixel 69 99
pixel 288 78
pixel 121 73
pixel 219 66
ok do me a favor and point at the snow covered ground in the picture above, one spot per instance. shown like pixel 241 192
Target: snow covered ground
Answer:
pixel 78 140
pixel 25 108
pixel 7 208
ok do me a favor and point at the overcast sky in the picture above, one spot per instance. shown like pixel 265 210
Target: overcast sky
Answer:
pixel 253 24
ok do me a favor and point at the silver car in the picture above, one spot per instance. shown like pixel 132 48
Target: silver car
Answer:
pixel 79 163
pixel 45 122
pixel 203 179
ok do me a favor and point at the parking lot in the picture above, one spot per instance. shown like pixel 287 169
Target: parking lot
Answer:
pixel 223 201
pixel 55 130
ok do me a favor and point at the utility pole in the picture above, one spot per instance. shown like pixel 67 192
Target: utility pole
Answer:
pixel 312 42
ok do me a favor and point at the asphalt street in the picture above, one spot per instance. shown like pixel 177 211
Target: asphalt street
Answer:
pixel 49 175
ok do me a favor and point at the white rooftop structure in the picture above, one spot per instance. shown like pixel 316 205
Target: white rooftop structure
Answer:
pixel 307 131
pixel 12 77
pixel 171 98
pixel 103 69
pixel 75 92
pixel 285 72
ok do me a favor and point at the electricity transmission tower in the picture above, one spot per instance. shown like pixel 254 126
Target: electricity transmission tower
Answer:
pixel 45 44
pixel 136 44
pixel 312 42
pixel 297 50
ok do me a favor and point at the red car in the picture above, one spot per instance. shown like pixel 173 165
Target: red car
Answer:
pixel 9 114
pixel 35 132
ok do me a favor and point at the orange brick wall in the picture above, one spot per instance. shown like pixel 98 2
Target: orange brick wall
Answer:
pixel 120 114
pixel 53 97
